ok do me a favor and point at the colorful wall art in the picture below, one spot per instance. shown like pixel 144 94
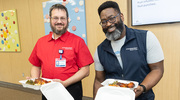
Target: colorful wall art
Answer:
pixel 9 36
pixel 77 19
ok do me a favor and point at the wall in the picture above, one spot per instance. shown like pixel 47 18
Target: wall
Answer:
pixel 31 27
pixel 30 19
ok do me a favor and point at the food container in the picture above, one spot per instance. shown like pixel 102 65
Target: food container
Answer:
pixel 107 92
pixel 35 87
pixel 115 93
pixel 110 81
pixel 52 90
pixel 55 91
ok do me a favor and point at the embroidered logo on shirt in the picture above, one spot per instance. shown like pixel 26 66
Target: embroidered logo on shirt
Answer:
pixel 132 49
pixel 67 48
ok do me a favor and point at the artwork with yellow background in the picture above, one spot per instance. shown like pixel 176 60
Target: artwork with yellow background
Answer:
pixel 9 36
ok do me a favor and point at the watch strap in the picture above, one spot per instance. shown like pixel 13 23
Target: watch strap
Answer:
pixel 144 88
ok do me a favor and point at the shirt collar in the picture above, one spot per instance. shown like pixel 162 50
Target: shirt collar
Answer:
pixel 129 34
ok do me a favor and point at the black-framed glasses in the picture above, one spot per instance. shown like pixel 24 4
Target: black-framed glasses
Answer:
pixel 111 20
pixel 55 18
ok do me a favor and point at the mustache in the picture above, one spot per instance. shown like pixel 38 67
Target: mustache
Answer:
pixel 59 24
pixel 110 26
pixel 106 29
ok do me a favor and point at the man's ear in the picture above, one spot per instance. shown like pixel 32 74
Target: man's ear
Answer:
pixel 122 17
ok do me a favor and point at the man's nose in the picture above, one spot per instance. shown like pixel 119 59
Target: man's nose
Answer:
pixel 108 23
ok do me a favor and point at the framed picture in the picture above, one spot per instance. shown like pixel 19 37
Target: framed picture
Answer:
pixel 9 35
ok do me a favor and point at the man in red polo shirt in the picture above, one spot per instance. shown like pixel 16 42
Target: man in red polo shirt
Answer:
pixel 61 55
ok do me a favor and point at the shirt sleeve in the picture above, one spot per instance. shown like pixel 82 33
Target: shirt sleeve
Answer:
pixel 97 64
pixel 33 59
pixel 84 56
pixel 154 50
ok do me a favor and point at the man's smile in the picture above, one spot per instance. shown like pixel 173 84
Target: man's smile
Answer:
pixel 111 29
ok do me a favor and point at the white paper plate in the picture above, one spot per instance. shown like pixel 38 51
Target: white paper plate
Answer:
pixel 55 91
pixel 109 93
pixel 110 81
pixel 35 87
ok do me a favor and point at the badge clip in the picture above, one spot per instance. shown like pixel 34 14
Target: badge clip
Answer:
pixel 61 52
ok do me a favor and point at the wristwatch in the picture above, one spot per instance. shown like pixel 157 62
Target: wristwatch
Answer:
pixel 144 88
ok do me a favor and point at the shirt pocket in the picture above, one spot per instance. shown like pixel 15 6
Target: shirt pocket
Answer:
pixel 70 57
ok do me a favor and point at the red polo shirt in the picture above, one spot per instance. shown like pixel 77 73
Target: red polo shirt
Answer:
pixel 46 51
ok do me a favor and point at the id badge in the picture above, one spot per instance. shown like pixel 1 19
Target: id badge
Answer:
pixel 60 62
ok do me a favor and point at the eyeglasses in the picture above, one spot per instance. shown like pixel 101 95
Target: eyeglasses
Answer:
pixel 55 19
pixel 111 20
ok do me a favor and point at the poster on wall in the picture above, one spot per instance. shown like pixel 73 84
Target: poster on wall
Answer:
pixel 77 19
pixel 9 35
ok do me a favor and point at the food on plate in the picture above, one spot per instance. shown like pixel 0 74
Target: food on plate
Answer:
pixel 120 84
pixel 30 82
pixel 38 81
pixel 130 85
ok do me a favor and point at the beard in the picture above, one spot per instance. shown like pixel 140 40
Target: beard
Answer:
pixel 116 34
pixel 59 32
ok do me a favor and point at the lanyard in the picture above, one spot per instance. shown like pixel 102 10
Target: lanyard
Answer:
pixel 61 52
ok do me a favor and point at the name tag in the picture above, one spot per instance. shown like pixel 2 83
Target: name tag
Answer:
pixel 60 62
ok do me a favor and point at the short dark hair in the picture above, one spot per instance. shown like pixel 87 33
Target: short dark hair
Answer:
pixel 58 6
pixel 108 4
